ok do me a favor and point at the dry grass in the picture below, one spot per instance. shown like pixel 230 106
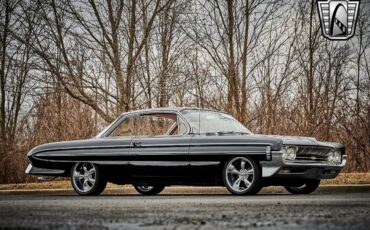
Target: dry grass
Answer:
pixel 349 178
pixel 343 178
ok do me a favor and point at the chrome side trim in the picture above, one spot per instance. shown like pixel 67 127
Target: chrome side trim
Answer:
pixel 31 170
pixel 204 163
pixel 271 167
pixel 269 171
pixel 268 153
pixel 28 169
pixel 159 163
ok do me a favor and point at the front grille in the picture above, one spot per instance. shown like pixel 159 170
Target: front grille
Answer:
pixel 313 153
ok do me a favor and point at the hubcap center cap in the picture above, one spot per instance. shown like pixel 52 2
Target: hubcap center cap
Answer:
pixel 244 173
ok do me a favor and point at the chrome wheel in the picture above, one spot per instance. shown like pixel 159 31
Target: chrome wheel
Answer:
pixel 145 188
pixel 84 177
pixel 307 187
pixel 298 188
pixel 149 189
pixel 240 174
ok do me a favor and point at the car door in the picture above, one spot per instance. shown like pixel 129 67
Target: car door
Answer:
pixel 205 158
pixel 160 158
pixel 115 154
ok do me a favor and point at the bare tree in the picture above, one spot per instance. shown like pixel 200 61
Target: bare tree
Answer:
pixel 229 31
pixel 16 62
pixel 68 67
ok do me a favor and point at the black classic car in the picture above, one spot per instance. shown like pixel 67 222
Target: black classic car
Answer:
pixel 154 148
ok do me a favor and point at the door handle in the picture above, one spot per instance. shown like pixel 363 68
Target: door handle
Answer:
pixel 136 143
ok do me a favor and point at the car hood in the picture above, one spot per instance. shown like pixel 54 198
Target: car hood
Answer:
pixel 307 141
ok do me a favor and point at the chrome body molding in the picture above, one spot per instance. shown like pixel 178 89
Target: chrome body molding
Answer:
pixel 44 171
pixel 269 168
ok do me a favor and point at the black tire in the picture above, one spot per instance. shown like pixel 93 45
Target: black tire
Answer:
pixel 255 180
pixel 308 187
pixel 149 190
pixel 96 188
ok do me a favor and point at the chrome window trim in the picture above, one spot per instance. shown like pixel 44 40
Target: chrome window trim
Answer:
pixel 125 116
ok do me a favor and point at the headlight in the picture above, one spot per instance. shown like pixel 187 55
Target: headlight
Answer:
pixel 284 153
pixel 335 157
pixel 289 152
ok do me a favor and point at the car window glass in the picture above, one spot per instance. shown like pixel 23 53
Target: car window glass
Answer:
pixel 126 128
pixel 151 125
pixel 210 121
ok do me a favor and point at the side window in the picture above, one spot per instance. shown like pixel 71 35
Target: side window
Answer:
pixel 158 124
pixel 150 125
pixel 126 128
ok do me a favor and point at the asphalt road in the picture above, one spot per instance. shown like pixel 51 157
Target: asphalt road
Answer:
pixel 263 211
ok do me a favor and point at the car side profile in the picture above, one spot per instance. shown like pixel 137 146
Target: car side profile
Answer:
pixel 155 148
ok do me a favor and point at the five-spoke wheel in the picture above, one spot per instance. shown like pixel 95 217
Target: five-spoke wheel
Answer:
pixel 307 187
pixel 149 190
pixel 241 176
pixel 86 179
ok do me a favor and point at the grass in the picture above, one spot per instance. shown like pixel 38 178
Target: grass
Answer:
pixel 342 179
pixel 349 178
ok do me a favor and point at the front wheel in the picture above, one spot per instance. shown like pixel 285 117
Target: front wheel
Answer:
pixel 149 190
pixel 86 179
pixel 306 188
pixel 242 176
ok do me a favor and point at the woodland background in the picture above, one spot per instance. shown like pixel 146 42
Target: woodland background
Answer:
pixel 69 67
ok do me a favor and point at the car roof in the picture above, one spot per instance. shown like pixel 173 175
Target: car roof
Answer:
pixel 167 109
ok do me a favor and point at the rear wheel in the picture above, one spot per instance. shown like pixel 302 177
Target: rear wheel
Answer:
pixel 306 188
pixel 87 180
pixel 242 176
pixel 149 190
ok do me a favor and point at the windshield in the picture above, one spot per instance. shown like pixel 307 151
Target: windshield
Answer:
pixel 206 122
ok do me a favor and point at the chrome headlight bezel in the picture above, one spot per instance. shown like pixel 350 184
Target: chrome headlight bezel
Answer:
pixel 289 152
pixel 334 157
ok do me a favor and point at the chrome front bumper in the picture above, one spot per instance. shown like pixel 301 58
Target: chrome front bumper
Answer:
pixel 277 167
